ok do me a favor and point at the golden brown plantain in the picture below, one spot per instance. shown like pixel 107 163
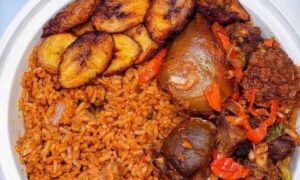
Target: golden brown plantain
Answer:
pixel 141 35
pixel 85 58
pixel 119 15
pixel 74 14
pixel 51 50
pixel 165 17
pixel 126 53
pixel 83 28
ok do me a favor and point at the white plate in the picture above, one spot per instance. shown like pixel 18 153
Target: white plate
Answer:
pixel 25 32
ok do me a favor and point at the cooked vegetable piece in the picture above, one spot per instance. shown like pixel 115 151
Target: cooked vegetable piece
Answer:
pixel 256 135
pixel 244 36
pixel 233 54
pixel 193 63
pixel 285 169
pixel 189 146
pixel 259 133
pixel 119 15
pixel 232 106
pixel 281 148
pixel 49 53
pixel 269 171
pixel 229 136
pixel 83 28
pixel 126 53
pixel 222 11
pixel 213 96
pixel 165 17
pixel 221 36
pixel 269 42
pixel 245 122
pixel 57 115
pixel 293 117
pixel 153 67
pixel 227 168
pixel 149 47
pixel 74 14
pixel 85 58
pixel 276 131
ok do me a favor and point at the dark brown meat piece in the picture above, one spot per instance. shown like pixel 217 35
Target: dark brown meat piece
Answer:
pixel 222 11
pixel 242 150
pixel 245 36
pixel 274 76
pixel 188 148
pixel 260 173
pixel 228 136
pixel 281 148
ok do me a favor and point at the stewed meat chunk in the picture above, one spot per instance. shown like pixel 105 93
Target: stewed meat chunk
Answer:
pixel 274 76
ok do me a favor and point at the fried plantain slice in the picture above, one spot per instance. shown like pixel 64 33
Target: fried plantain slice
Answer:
pixel 85 58
pixel 126 53
pixel 83 28
pixel 74 14
pixel 165 17
pixel 119 15
pixel 51 50
pixel 141 35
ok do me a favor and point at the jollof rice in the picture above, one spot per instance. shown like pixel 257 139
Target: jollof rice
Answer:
pixel 105 130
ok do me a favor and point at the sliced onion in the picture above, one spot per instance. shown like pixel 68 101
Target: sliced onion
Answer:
pixel 58 113
pixel 232 106
pixel 294 116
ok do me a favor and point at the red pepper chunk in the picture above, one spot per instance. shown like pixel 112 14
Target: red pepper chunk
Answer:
pixel 153 67
pixel 213 96
pixel 221 36
pixel 252 99
pixel 258 134
pixel 224 41
pixel 245 122
pixel 227 168
pixel 274 109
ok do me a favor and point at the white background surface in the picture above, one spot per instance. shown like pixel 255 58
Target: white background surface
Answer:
pixel 289 8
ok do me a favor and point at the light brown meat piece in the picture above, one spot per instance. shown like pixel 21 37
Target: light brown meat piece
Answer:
pixel 74 14
pixel 274 76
